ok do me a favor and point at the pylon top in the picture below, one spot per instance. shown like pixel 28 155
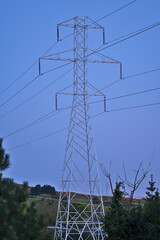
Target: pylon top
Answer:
pixel 82 21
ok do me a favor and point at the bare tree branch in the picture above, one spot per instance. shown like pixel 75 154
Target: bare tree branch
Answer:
pixel 108 175
pixel 137 180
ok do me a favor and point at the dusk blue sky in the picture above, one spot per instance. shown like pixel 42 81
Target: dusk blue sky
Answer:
pixel 28 29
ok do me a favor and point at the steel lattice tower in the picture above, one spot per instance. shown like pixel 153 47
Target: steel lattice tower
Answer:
pixel 80 219
pixel 80 172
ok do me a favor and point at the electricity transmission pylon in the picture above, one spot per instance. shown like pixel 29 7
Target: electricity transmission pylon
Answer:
pixel 77 219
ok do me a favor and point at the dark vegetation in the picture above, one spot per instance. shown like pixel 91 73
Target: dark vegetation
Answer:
pixel 141 222
pixel 46 189
pixel 18 220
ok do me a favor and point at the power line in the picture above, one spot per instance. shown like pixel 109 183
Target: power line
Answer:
pixel 134 107
pixel 37 139
pixel 46 136
pixel 37 121
pixel 109 14
pixel 126 5
pixel 130 76
pixel 127 95
pixel 19 91
pixel 18 78
pixel 135 93
pixel 33 123
pixel 129 36
pixel 51 70
pixel 26 70
pixel 14 95
pixel 96 51
pixel 111 110
pixel 52 46
pixel 34 95
pixel 107 86
pixel 50 114
pixel 142 73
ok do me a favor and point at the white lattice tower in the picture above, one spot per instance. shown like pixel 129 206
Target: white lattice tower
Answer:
pixel 77 219
pixel 80 208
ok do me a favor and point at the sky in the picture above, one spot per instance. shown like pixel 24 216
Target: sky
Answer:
pixel 28 29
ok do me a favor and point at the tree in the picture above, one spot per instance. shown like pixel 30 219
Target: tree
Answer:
pixel 46 189
pixel 135 227
pixel 152 211
pixel 108 175
pixel 115 218
pixel 18 220
pixel 4 159
pixel 136 181
pixel 137 223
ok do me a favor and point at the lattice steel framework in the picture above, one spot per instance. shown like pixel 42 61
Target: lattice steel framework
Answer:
pixel 80 219
pixel 80 172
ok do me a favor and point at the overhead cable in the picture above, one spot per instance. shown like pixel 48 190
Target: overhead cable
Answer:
pixel 118 9
pixel 130 76
pixel 111 110
pixel 37 121
pixel 126 38
pixel 33 123
pixel 14 95
pixel 34 95
pixel 20 76
pixel 38 139
pixel 96 51
pixel 52 46
pixel 12 83
pixel 127 95
pixel 135 93
pixel 105 87
pixel 48 135
pixel 134 107
pixel 50 114
pixel 19 91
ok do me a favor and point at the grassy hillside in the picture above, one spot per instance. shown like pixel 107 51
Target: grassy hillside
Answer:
pixel 47 206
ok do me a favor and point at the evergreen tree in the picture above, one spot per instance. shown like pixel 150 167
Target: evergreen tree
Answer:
pixel 18 220
pixel 151 189
pixel 115 218
pixel 135 227
pixel 152 211
pixel 122 223
pixel 4 159
pixel 138 223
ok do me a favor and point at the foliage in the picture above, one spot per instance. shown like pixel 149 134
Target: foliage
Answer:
pixel 17 220
pixel 46 189
pixel 152 211
pixel 137 223
pixel 4 158
pixel 49 209
pixel 115 216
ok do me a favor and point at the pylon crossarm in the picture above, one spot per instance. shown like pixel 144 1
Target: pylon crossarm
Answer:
pixel 57 53
pixel 104 56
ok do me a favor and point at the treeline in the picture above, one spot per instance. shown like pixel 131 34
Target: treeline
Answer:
pixel 46 189
pixel 141 222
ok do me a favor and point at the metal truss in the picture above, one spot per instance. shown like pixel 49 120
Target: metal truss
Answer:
pixel 80 208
